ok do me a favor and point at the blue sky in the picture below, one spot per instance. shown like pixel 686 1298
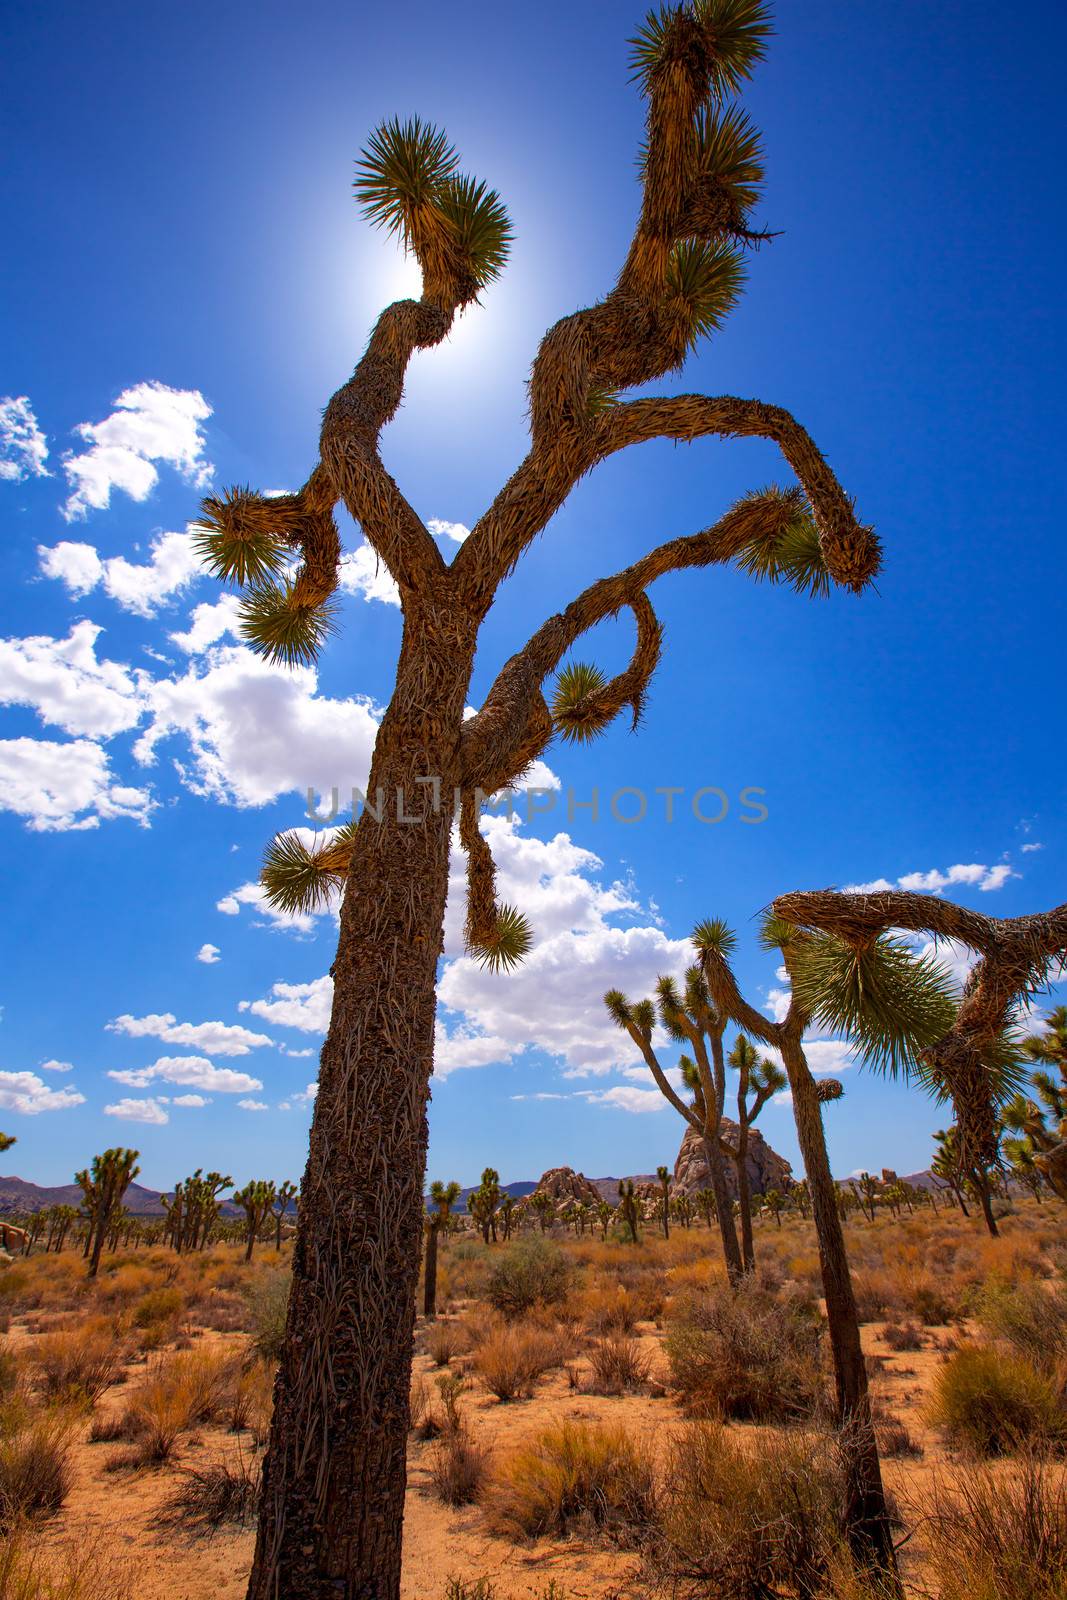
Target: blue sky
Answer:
pixel 187 280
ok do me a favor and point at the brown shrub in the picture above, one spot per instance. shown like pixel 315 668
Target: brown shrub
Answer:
pixel 619 1366
pixel 35 1471
pixel 445 1340
pixel 458 1468
pixel 903 1336
pixel 997 1536
pixel 513 1357
pixel 991 1401
pixel 206 1498
pixel 573 1474
pixel 79 1363
pixel 81 1572
pixel 748 1355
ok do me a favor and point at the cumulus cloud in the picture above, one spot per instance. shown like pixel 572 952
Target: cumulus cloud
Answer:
pixel 973 874
pixel 57 1066
pixel 194 1101
pixel 208 954
pixel 625 1098
pixel 23 447
pixel 363 573
pixel 150 423
pixel 296 1005
pixel 217 1038
pixel 131 1110
pixel 210 622
pixel 254 896
pixel 26 1092
pixel 253 1105
pixel 62 680
pixel 65 787
pixel 137 586
pixel 303 1097
pixel 191 1072
pixel 456 531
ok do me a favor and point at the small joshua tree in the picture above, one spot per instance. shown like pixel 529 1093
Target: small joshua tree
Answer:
pixel 334 1474
pixel 482 1203
pixel 443 1197
pixel 664 1176
pixel 629 1207
pixel 604 1214
pixel 545 1207
pixel 286 1193
pixel 866 1190
pixel 256 1200
pixel 762 1078
pixel 693 1018
pixel 103 1185
pixel 773 1200
pixel 1040 1150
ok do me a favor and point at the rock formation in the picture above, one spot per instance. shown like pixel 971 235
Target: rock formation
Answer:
pixel 566 1187
pixel 766 1169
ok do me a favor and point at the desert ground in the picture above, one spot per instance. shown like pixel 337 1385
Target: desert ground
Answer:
pixel 560 1401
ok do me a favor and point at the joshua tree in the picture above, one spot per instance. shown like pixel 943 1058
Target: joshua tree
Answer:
pixel 333 1482
pixel 763 1078
pixel 664 1176
pixel 694 1019
pixel 6 1141
pixel 256 1199
pixel 963 1176
pixel 772 1199
pixel 443 1197
pixel 545 1207
pixel 706 1206
pixel 104 1184
pixel 1040 1152
pixel 483 1201
pixel 604 1214
pixel 866 1189
pixel 507 1213
pixel 629 1207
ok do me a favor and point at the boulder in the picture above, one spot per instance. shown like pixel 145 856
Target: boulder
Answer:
pixel 566 1187
pixel 766 1168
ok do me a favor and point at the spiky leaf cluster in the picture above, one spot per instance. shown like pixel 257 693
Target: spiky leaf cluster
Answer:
pixel 704 283
pixel 729 156
pixel 283 627
pixel 300 880
pixel 506 943
pixel 714 934
pixel 720 40
pixel 235 541
pixel 791 554
pixel 576 709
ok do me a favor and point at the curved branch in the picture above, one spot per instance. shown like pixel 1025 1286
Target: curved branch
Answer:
pixel 723 988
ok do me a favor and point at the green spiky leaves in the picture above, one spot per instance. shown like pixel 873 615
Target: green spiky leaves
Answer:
pixel 577 708
pixel 504 943
pixel 618 1008
pixel 408 183
pixel 301 880
pixel 715 936
pixel 775 933
pixel 237 539
pixel 283 626
pixel 729 156
pixel 704 283
pixel 718 41
pixel 891 1003
pixel 788 551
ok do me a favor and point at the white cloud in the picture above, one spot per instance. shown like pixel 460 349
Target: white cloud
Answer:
pixel 456 531
pixel 625 1098
pixel 208 954
pixel 62 680
pixel 131 1110
pixel 191 1072
pixel 296 1005
pixel 973 874
pixel 57 1066
pixel 297 1054
pixel 1028 849
pixel 26 1092
pixel 210 622
pixel 217 1038
pixel 194 1101
pixel 141 587
pixel 255 896
pixel 364 573
pixel 150 423
pixel 258 731
pixel 253 1105
pixel 304 1097
pixel 23 447
pixel 65 787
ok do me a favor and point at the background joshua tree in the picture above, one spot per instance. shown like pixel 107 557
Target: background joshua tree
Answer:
pixel 256 1200
pixel 866 1190
pixel 545 1208
pixel 443 1197
pixel 6 1141
pixel 331 1513
pixel 483 1201
pixel 763 1078
pixel 283 1194
pixel 629 1207
pixel 1040 1151
pixel 965 1175
pixel 694 1019
pixel 664 1176
pixel 773 1199
pixel 103 1185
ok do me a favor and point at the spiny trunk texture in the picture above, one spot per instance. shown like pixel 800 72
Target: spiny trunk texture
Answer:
pixel 866 1518
pixel 724 1209
pixel 332 1506
pixel 429 1288
pixel 744 1200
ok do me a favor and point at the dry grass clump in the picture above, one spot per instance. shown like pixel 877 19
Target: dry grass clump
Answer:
pixel 903 1336
pixel 181 1392
pixel 997 1536
pixel 605 1308
pixel 78 1363
pixel 445 1340
pixel 747 1355
pixel 83 1572
pixel 746 1520
pixel 514 1355
pixel 894 1439
pixel 35 1470
pixel 993 1401
pixel 618 1366
pixel 1029 1316
pixel 159 1307
pixel 206 1498
pixel 267 1298
pixel 573 1475
pixel 459 1467
pixel 529 1273
pixel 250 1399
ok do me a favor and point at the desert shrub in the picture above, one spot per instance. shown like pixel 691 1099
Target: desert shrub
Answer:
pixel 604 1309
pixel 469 1589
pixel 529 1273
pixel 268 1298
pixel 997 1536
pixel 250 1399
pixel 748 1355
pixel 18 1290
pixel 894 1438
pixel 207 1497
pixel 179 1393
pixel 618 1366
pixel 79 1363
pixel 511 1359
pixel 992 1401
pixel 903 1336
pixel 35 1471
pixel 1028 1316
pixel 932 1302
pixel 9 1370
pixel 744 1522
pixel 458 1468
pixel 573 1474
pixel 876 1296
pixel 158 1306
pixel 418 1402
pixel 445 1340
pixel 81 1572
pixel 221 1311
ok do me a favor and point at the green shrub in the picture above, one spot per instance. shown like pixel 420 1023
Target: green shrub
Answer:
pixel 530 1273
pixel 158 1306
pixel 1029 1316
pixel 990 1401
pixel 268 1301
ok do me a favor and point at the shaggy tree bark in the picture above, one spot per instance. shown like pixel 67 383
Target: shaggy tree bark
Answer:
pixel 334 1474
